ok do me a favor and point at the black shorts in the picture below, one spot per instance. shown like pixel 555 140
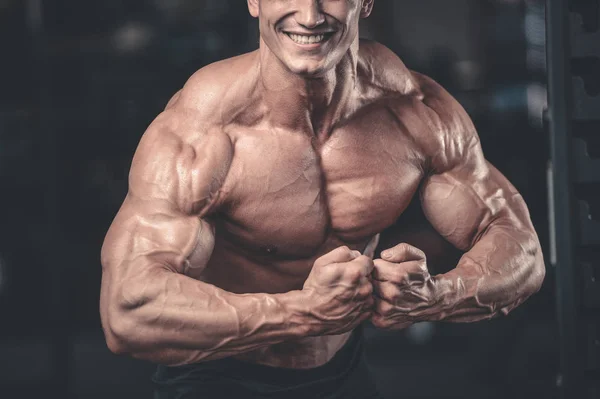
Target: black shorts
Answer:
pixel 346 376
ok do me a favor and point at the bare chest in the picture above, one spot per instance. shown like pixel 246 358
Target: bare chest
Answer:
pixel 289 195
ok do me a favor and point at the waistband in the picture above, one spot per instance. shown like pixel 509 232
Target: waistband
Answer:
pixel 262 378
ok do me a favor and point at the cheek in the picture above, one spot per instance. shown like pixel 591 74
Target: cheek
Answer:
pixel 346 12
pixel 268 34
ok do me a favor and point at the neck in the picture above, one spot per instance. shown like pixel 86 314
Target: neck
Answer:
pixel 312 104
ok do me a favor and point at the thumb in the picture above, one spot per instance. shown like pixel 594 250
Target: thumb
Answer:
pixel 403 253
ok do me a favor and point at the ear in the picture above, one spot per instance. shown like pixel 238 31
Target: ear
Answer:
pixel 365 9
pixel 253 7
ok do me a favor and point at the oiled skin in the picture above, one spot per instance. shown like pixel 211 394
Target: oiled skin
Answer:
pixel 241 184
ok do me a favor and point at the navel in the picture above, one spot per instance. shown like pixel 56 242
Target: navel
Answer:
pixel 269 250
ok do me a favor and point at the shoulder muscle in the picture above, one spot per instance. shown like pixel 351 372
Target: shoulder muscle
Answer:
pixel 450 138
pixel 182 161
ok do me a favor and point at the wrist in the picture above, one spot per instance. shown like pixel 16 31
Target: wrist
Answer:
pixel 448 294
pixel 296 306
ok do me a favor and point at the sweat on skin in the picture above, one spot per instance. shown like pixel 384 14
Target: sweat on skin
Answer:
pixel 257 197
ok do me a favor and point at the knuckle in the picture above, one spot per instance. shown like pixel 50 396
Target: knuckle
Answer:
pixel 326 273
pixel 334 271
pixel 343 250
pixel 345 254
pixel 385 293
pixel 320 262
pixel 384 308
pixel 348 250
pixel 354 275
pixel 366 291
pixel 392 294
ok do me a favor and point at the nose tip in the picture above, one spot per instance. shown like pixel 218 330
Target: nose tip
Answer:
pixel 309 14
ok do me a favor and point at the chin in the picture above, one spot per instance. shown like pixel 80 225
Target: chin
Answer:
pixel 308 70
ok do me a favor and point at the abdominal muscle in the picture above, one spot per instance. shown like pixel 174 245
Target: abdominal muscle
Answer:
pixel 304 353
pixel 257 273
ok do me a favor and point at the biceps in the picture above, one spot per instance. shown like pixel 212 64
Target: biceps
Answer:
pixel 140 238
pixel 461 208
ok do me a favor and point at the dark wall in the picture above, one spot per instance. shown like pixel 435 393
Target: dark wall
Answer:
pixel 81 80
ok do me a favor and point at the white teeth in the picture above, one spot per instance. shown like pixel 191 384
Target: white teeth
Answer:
pixel 302 39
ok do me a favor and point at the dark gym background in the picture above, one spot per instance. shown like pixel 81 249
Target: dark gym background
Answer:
pixel 80 80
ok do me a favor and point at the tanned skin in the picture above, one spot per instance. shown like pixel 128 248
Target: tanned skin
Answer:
pixel 256 200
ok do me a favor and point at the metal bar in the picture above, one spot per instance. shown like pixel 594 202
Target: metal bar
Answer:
pixel 558 59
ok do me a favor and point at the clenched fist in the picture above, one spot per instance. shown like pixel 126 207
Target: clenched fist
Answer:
pixel 339 292
pixel 404 290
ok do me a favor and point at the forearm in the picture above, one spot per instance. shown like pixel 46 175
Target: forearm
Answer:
pixel 173 319
pixel 502 270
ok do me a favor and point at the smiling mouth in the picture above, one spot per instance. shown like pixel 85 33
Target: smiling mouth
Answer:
pixel 309 39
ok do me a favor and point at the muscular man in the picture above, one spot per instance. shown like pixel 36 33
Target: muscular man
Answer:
pixel 242 259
